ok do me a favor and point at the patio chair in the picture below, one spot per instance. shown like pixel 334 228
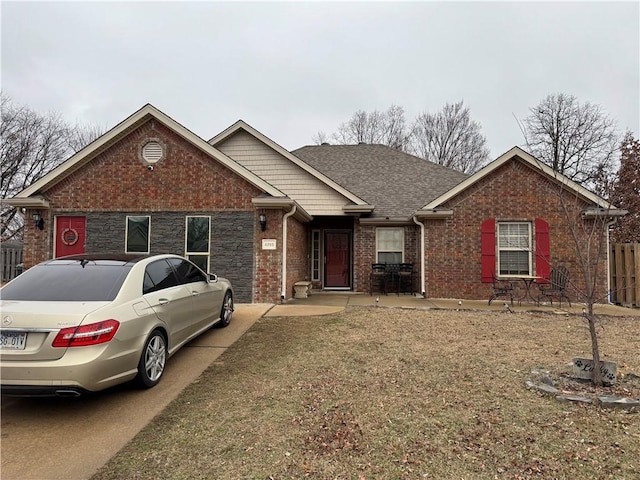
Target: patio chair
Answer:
pixel 405 278
pixel 501 288
pixel 557 286
pixel 378 278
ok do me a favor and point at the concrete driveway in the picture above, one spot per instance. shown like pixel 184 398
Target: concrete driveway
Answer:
pixel 55 438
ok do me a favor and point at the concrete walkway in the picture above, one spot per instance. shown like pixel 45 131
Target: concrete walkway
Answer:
pixel 324 303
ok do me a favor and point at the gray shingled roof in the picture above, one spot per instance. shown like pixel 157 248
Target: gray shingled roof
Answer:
pixel 395 182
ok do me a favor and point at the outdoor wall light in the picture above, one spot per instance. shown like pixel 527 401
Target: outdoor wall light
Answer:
pixel 38 220
pixel 263 220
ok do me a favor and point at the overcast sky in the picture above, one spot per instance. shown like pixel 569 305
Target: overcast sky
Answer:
pixel 292 69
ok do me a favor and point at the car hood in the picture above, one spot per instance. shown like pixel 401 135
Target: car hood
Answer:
pixel 22 314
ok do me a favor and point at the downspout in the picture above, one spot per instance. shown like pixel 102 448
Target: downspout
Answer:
pixel 284 251
pixel 422 284
pixel 608 225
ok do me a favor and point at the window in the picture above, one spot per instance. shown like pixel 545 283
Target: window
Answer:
pixel 137 235
pixel 187 272
pixel 514 248
pixel 197 242
pixel 158 276
pixel 315 252
pixel 390 245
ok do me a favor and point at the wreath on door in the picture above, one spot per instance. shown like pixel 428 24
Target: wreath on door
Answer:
pixel 70 236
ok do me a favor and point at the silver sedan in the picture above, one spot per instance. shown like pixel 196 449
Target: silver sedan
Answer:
pixel 88 322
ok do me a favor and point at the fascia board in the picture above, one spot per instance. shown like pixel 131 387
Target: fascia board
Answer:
pixel 282 204
pixel 533 162
pixel 148 110
pixel 242 125
pixel 386 221
pixel 35 201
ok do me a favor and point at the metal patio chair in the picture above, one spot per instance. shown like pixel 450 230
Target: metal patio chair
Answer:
pixel 557 286
pixel 378 278
pixel 501 288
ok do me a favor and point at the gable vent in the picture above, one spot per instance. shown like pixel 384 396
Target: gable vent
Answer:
pixel 152 152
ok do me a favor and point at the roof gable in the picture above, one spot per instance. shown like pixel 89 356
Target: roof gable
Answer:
pixel 530 160
pixel 240 125
pixel 85 155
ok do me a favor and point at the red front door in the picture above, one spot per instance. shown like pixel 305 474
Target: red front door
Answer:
pixel 337 251
pixel 71 233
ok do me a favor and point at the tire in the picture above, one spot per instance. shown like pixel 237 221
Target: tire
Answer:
pixel 152 361
pixel 226 313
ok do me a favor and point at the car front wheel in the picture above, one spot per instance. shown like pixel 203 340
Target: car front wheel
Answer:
pixel 152 360
pixel 227 311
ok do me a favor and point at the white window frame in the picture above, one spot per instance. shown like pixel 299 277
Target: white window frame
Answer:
pixel 126 234
pixel 379 240
pixel 316 246
pixel 189 254
pixel 515 247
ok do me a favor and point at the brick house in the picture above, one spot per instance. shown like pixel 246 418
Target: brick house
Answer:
pixel 242 206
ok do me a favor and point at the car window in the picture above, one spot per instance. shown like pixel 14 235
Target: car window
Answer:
pixel 159 275
pixel 68 281
pixel 187 271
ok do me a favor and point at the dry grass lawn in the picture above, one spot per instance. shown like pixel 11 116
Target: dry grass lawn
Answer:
pixel 377 393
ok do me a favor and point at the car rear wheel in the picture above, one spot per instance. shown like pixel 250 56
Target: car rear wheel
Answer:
pixel 152 361
pixel 227 311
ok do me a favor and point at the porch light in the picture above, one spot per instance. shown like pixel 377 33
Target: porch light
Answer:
pixel 38 220
pixel 263 220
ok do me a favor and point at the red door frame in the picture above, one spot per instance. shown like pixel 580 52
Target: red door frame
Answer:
pixel 337 259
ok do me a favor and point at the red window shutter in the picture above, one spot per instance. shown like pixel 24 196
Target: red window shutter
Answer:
pixel 488 249
pixel 543 255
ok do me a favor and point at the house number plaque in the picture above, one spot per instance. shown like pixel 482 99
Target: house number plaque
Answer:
pixel 268 244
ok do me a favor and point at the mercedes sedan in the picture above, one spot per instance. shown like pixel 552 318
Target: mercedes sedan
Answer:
pixel 85 323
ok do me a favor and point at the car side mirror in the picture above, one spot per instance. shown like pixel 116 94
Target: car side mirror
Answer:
pixel 213 277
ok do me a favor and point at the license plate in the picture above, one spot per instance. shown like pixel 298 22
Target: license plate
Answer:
pixel 13 340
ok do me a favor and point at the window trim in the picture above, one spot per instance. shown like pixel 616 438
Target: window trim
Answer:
pixel 316 248
pixel 126 234
pixel 402 243
pixel 500 249
pixel 189 254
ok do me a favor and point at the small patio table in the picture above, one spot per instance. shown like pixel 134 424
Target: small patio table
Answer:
pixel 528 281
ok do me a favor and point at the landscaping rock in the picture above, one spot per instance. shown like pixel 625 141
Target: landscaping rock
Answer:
pixel 614 401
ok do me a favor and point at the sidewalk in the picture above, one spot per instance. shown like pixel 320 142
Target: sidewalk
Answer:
pixel 324 303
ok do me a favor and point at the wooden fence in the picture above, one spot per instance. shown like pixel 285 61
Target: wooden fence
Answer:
pixel 10 261
pixel 625 274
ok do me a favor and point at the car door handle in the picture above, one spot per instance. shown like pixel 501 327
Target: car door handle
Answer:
pixel 195 294
pixel 163 301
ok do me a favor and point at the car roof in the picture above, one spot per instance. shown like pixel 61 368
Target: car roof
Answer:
pixel 110 258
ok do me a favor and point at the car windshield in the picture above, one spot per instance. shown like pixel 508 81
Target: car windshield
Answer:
pixel 68 281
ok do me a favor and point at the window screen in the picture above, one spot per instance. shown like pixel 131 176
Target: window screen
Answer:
pixel 390 245
pixel 514 248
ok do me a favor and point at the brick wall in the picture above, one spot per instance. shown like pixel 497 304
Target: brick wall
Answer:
pixel 187 181
pixel 513 193
pixel 268 272
pixel 365 252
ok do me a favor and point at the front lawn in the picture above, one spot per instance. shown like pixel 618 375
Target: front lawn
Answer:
pixel 379 393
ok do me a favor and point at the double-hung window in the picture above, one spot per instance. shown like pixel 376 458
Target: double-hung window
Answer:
pixel 390 245
pixel 198 241
pixel 137 234
pixel 514 248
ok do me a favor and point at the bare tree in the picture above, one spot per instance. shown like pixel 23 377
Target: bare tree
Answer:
pixel 578 140
pixel 450 138
pixel 385 128
pixel 589 227
pixel 31 145
pixel 626 191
